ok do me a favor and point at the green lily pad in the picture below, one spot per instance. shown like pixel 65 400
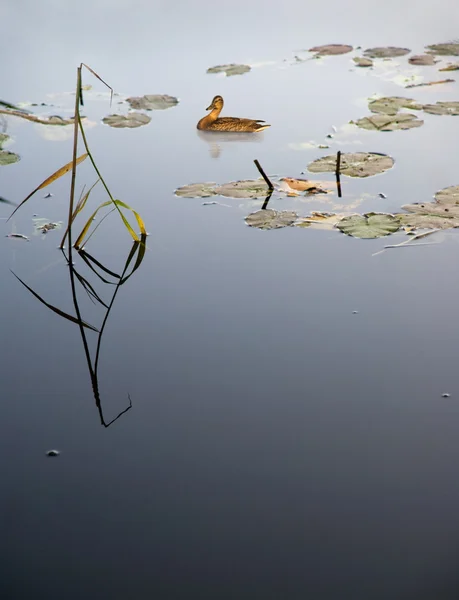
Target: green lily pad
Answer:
pixel 354 164
pixel 379 122
pixel 231 69
pixel 418 221
pixel 442 108
pixel 391 105
pixel 361 61
pixel 8 158
pixel 152 102
pixel 248 188
pixel 271 219
pixel 448 195
pixel 369 226
pixel 444 49
pixel 130 120
pixel 425 60
pixel 3 138
pixel 386 52
pixel 196 190
pixel 331 49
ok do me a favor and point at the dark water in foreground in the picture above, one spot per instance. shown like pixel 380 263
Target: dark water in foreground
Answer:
pixel 279 446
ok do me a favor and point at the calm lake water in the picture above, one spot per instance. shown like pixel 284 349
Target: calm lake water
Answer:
pixel 279 445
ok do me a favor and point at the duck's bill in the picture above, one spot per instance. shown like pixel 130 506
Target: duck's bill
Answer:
pixel 210 106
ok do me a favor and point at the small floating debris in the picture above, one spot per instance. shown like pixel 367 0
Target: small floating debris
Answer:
pixel 49 195
pixel 19 236
pixel 51 453
pixel 381 195
pixel 445 395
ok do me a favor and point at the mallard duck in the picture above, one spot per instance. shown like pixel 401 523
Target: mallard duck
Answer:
pixel 212 122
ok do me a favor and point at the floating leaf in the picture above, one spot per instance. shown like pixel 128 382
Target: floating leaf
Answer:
pixel 305 185
pixel 152 102
pixel 8 158
pixel 386 52
pixel 391 105
pixel 369 226
pixel 418 221
pixel 361 61
pixel 355 164
pixel 3 138
pixel 444 49
pixel 319 220
pixel 379 122
pixel 331 49
pixel 442 108
pixel 231 69
pixel 426 60
pixel 134 119
pixel 448 195
pixel 248 188
pixel 452 67
pixel 428 83
pixel 271 219
pixel 196 190
pixel 52 120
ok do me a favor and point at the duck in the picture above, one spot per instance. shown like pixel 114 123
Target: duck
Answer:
pixel 212 121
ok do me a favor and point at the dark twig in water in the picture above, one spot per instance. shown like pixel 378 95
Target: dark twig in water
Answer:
pixel 337 172
pixel 263 174
pixel 267 199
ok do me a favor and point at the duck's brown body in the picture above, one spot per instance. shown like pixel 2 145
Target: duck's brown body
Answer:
pixel 212 121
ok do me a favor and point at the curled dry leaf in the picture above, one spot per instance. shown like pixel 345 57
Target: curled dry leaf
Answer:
pixel 319 220
pixel 305 185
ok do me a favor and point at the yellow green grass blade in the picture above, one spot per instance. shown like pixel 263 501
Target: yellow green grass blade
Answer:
pixel 59 173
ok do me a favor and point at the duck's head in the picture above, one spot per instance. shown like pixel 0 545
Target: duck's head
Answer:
pixel 217 102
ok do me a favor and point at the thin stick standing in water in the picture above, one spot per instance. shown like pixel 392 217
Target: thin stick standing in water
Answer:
pixel 263 174
pixel 337 172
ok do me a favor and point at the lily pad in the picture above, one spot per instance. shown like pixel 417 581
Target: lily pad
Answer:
pixel 379 122
pixel 134 119
pixel 331 49
pixel 152 102
pixel 196 190
pixel 231 69
pixel 354 164
pixel 419 221
pixel 369 226
pixel 8 158
pixel 3 138
pixel 448 195
pixel 391 105
pixel 425 60
pixel 248 188
pixel 361 61
pixel 446 211
pixel 271 219
pixel 386 52
pixel 442 108
pixel 444 49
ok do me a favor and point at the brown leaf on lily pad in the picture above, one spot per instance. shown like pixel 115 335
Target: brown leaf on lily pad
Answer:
pixel 386 52
pixel 331 49
pixel 319 220
pixel 306 185
pixel 379 122
pixel 354 164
